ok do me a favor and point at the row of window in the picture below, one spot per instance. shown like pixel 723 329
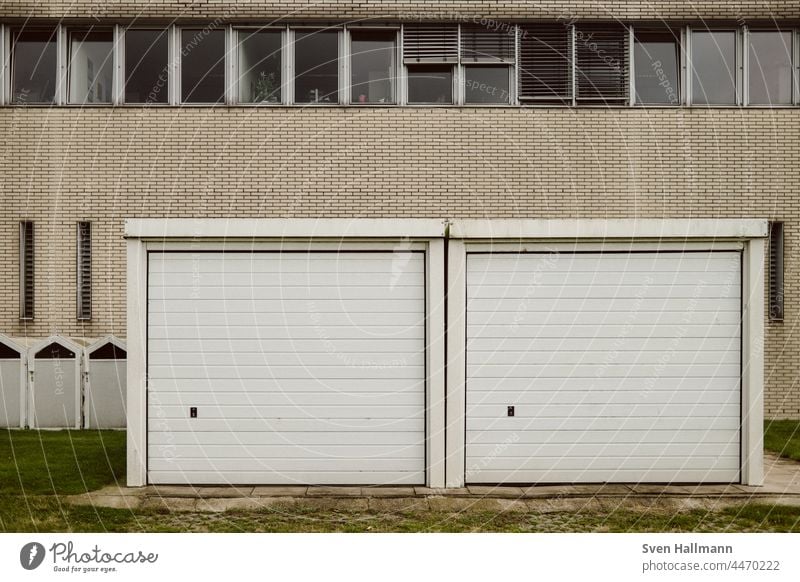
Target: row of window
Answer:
pixel 27 270
pixel 409 64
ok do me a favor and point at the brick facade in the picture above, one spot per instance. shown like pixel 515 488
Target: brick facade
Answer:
pixel 62 165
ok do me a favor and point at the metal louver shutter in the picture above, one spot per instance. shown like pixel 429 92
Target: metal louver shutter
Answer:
pixel 776 311
pixel 84 270
pixel 545 63
pixel 482 45
pixel 26 270
pixel 602 63
pixel 430 44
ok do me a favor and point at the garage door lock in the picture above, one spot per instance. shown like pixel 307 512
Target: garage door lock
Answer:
pixel 510 411
pixel 193 412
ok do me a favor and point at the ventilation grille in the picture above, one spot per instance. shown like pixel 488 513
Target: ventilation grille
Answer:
pixel 545 63
pixel 483 45
pixel 430 44
pixel 776 271
pixel 84 270
pixel 602 63
pixel 26 270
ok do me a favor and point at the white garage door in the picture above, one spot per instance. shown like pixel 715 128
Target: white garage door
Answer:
pixel 620 367
pixel 302 368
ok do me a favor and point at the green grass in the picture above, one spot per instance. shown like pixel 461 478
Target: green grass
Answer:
pixel 60 462
pixel 38 468
pixel 783 438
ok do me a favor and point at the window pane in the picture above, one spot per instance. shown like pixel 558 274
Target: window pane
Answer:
pixel 429 84
pixel 33 67
pixel 770 68
pixel 203 66
pixel 260 66
pixel 486 85
pixel 373 64
pixel 656 65
pixel 91 66
pixel 316 67
pixel 146 66
pixel 714 67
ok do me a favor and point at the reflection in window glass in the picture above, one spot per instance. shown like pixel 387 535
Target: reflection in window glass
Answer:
pixel 91 66
pixel 203 66
pixel 770 68
pixel 656 64
pixel 714 67
pixel 316 66
pixel 146 66
pixel 373 66
pixel 486 84
pixel 33 67
pixel 430 84
pixel 259 66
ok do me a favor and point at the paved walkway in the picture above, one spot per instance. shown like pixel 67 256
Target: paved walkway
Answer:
pixel 781 485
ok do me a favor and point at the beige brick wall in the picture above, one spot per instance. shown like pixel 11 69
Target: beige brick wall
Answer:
pixel 422 9
pixel 59 166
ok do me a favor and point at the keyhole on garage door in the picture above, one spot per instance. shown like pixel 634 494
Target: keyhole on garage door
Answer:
pixel 510 411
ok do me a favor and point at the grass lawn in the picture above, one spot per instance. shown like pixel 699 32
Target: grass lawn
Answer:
pixel 782 437
pixel 36 469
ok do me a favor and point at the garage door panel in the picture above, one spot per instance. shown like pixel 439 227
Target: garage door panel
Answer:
pixel 251 305
pixel 265 346
pixel 561 356
pixel 366 359
pixel 410 426
pixel 273 384
pixel 230 477
pixel 294 438
pixel 576 437
pixel 612 331
pixel 537 398
pixel 614 362
pixel 602 383
pixel 582 372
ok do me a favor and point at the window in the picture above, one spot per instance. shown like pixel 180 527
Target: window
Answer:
pixel 545 63
pixel 316 66
pixel 770 68
pixel 202 66
pixel 601 73
pixel 713 63
pixel 486 56
pixel 259 64
pixel 776 271
pixel 656 66
pixel 33 66
pixel 146 66
pixel 373 66
pixel 26 270
pixel 430 54
pixel 84 270
pixel 91 66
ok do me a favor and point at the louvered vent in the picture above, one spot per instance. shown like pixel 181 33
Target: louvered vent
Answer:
pixel 776 271
pixel 26 270
pixel 545 63
pixel 430 44
pixel 483 45
pixel 84 270
pixel 601 63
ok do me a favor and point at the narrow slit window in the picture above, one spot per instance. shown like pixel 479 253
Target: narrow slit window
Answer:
pixel 776 271
pixel 26 270
pixel 84 283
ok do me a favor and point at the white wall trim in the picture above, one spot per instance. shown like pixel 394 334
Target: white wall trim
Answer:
pixel 456 362
pixel 136 365
pixel 753 314
pixel 435 363
pixel 602 229
pixel 339 228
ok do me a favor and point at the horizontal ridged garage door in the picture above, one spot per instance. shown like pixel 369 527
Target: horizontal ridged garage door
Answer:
pixel 621 367
pixel 303 367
